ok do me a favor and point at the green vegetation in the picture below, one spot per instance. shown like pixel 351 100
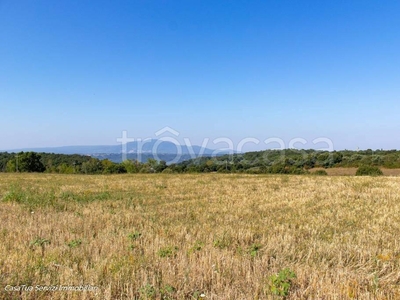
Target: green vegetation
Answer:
pixel 169 251
pixel 135 235
pixel 41 242
pixel 320 173
pixel 254 249
pixel 25 162
pixel 73 164
pixel 289 161
pixel 369 171
pixel 280 283
pixel 74 243
pixel 147 292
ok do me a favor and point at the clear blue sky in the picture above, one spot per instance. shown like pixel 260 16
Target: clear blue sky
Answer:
pixel 81 72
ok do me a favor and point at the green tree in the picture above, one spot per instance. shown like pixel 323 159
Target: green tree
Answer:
pixel 108 166
pixel 11 166
pixel 29 162
pixel 161 166
pixel 93 166
pixel 65 169
pixel 131 166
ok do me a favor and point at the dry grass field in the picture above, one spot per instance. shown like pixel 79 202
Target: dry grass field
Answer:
pixel 208 236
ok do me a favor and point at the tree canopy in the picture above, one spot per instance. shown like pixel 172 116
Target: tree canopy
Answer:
pixel 288 161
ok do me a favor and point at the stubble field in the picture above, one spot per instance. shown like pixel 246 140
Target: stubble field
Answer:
pixel 208 236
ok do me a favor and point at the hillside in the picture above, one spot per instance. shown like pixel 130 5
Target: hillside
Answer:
pixel 289 161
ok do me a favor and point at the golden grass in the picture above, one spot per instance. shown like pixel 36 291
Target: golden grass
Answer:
pixel 161 236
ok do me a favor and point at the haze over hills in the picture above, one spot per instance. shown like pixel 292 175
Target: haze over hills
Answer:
pixel 146 146
pixel 140 150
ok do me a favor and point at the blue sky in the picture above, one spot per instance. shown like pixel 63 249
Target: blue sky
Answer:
pixel 81 72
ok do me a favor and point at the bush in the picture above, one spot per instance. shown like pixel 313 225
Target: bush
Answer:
pixel 320 173
pixel 280 284
pixel 368 171
pixel 254 170
pixel 167 171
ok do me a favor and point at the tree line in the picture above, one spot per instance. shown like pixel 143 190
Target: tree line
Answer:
pixel 288 161
pixel 73 164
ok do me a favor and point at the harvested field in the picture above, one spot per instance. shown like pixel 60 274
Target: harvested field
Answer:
pixel 208 236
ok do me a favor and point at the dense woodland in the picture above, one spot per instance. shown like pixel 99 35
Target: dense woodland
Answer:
pixel 289 161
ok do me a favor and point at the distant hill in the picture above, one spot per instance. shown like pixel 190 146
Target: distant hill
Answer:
pixel 143 157
pixel 290 161
pixel 143 150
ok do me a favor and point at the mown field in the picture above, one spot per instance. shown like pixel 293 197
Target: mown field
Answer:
pixel 207 236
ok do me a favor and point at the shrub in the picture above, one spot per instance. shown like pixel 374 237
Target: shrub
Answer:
pixel 74 243
pixel 320 173
pixel 368 171
pixel 279 284
pixel 167 251
pixel 254 249
pixel 147 292
pixel 38 241
pixel 254 170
